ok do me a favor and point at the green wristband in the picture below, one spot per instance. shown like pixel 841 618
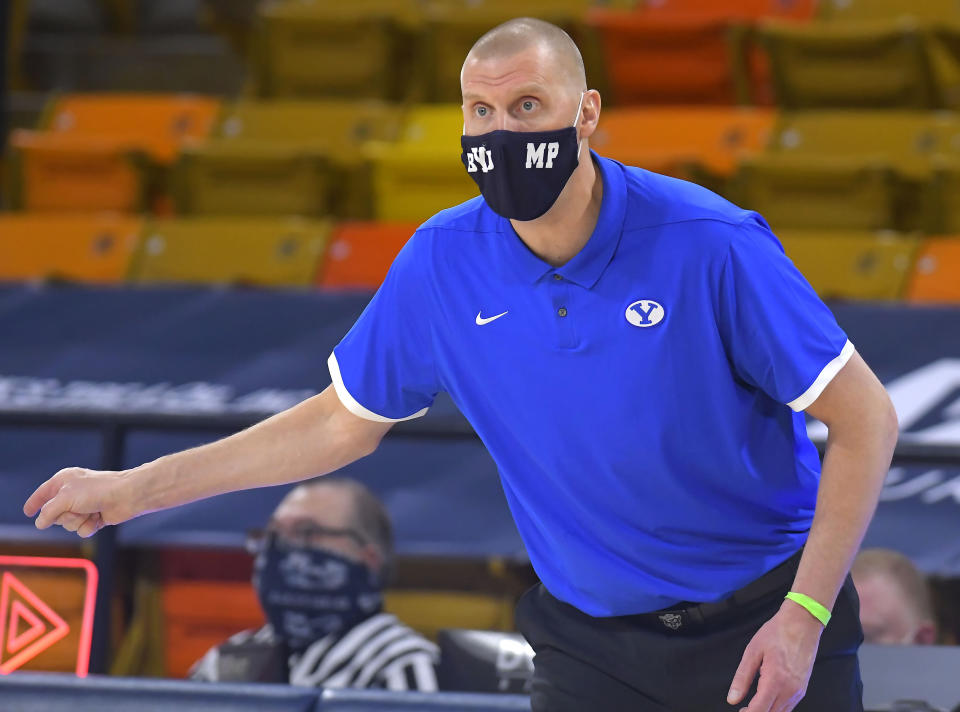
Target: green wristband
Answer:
pixel 817 610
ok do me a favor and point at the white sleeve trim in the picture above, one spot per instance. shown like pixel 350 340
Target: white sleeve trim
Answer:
pixel 351 404
pixel 806 399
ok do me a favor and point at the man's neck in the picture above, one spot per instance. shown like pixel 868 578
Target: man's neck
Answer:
pixel 561 232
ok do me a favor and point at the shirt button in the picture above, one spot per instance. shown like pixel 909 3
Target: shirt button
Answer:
pixel 562 311
pixel 557 277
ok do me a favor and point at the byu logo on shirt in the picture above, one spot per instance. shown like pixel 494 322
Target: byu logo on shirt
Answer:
pixel 645 312
pixel 479 156
pixel 535 153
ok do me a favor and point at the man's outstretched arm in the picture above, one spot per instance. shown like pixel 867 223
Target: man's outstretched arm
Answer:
pixel 314 437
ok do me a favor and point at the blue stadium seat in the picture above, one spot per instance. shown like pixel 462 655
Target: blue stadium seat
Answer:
pixel 381 701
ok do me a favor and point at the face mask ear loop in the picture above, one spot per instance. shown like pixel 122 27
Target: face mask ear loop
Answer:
pixel 577 118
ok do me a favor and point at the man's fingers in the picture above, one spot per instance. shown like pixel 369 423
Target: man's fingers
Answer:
pixel 50 512
pixel 43 494
pixel 90 526
pixel 768 693
pixel 746 672
pixel 70 521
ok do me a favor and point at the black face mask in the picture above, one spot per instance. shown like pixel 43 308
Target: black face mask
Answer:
pixel 522 173
pixel 308 593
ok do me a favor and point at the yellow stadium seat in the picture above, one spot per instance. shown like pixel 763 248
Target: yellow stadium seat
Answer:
pixel 421 173
pixel 852 265
pixel 859 10
pixel 214 250
pixel 942 193
pixel 84 247
pixel 431 611
pixel 801 192
pixel 876 65
pixel 286 157
pixel 936 272
pixel 944 49
pixel 668 139
pixel 847 169
pixel 315 48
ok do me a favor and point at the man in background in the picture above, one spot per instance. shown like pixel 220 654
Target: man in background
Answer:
pixel 895 607
pixel 321 565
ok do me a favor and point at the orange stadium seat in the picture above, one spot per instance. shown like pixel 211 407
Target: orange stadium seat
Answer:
pixel 936 272
pixel 85 247
pixel 360 253
pixel 200 614
pixel 669 59
pixel 670 139
pixel 95 150
pixel 157 123
pixel 53 172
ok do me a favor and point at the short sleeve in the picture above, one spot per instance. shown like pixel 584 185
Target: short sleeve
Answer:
pixel 383 369
pixel 779 335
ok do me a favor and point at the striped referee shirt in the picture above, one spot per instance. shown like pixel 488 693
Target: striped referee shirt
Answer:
pixel 379 652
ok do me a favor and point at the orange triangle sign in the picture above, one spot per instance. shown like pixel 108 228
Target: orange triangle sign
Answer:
pixel 45 626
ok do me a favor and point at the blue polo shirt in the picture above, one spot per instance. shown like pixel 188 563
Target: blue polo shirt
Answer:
pixel 643 402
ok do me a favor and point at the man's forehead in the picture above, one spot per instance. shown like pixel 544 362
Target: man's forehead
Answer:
pixel 534 68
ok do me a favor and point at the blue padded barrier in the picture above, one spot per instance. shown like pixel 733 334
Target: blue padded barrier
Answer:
pixel 382 701
pixel 54 692
pixel 51 692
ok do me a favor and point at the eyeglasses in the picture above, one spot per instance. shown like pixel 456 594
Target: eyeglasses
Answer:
pixel 302 534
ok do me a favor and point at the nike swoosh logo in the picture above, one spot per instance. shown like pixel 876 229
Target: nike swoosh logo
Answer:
pixel 481 321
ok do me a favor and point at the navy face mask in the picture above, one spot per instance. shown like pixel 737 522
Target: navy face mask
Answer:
pixel 308 593
pixel 522 173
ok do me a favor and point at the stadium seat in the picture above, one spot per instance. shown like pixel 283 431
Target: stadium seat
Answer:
pixel 320 49
pixel 159 124
pixel 67 173
pixel 841 265
pixel 875 65
pixel 359 254
pixel 670 59
pixel 285 157
pixel 214 250
pixel 936 271
pixel 200 614
pixel 941 196
pixel 82 248
pixel 859 10
pixel 96 151
pixel 430 611
pixel 785 9
pixel 670 139
pixel 944 51
pixel 421 173
pixel 847 169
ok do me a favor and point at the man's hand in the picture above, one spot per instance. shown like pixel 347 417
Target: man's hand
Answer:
pixel 81 501
pixel 783 651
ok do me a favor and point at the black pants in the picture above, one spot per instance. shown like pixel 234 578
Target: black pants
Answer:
pixel 646 664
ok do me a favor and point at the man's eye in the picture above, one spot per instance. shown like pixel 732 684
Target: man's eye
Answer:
pixel 481 111
pixel 527 105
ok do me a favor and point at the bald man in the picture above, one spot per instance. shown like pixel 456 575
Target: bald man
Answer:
pixel 638 356
pixel 895 606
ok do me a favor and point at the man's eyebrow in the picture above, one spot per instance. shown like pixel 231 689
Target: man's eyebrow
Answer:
pixel 524 90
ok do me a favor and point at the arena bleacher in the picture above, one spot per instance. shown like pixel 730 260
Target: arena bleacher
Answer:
pixel 178 172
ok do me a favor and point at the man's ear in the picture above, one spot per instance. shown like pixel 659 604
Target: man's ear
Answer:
pixel 589 113
pixel 372 558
